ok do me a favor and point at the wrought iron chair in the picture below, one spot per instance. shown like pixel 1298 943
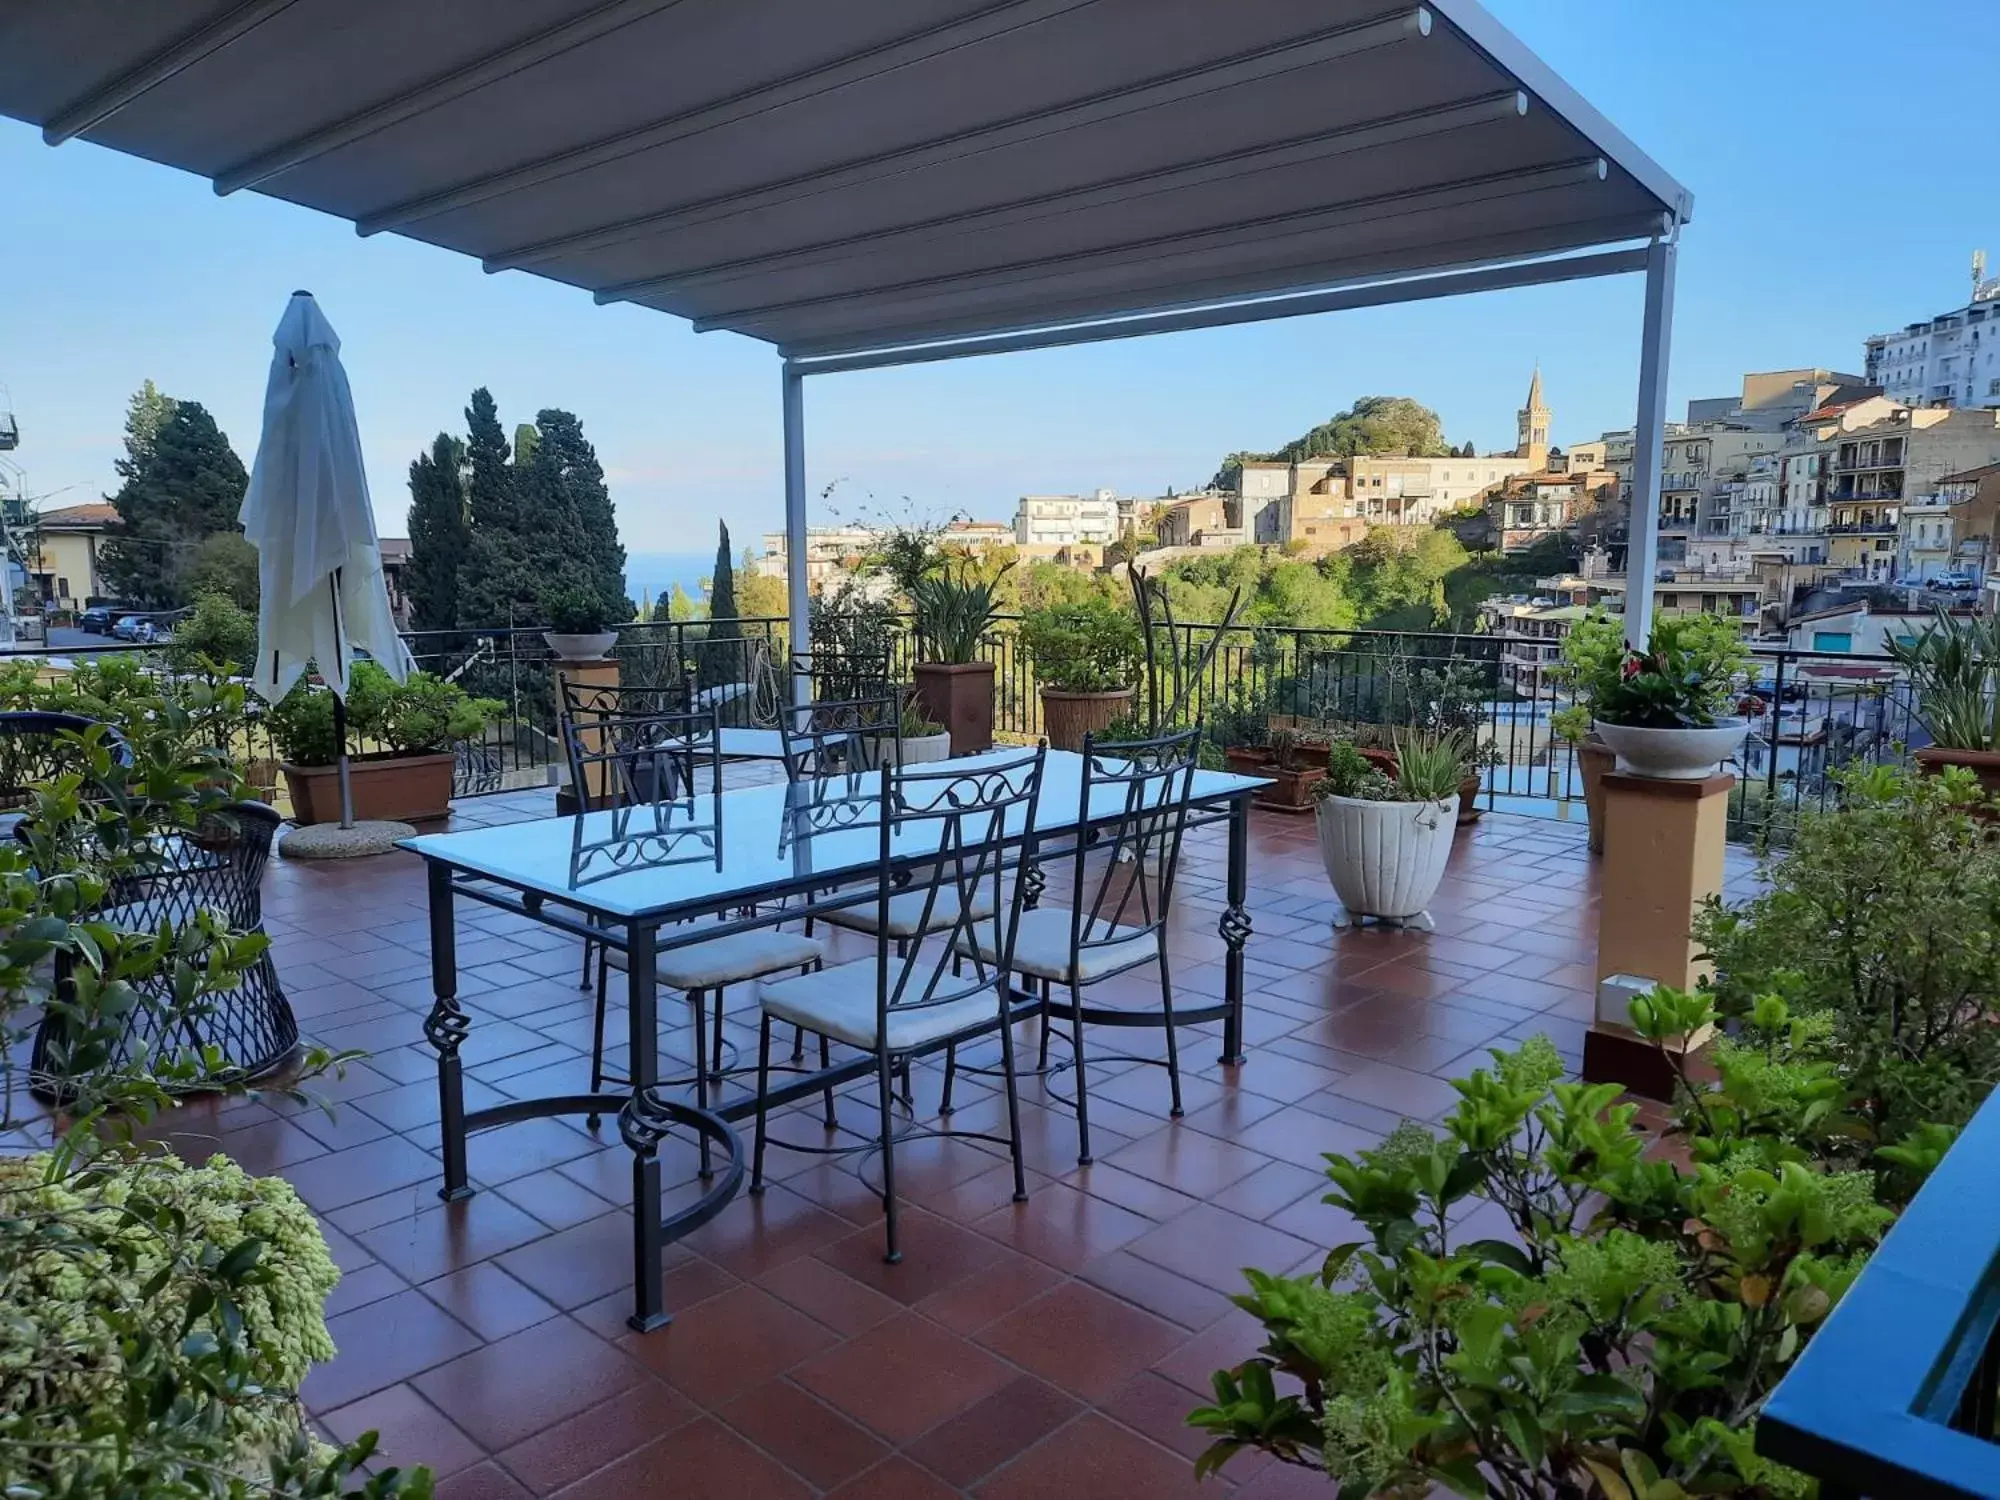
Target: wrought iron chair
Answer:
pixel 219 867
pixel 1121 887
pixel 628 760
pixel 37 746
pixel 963 821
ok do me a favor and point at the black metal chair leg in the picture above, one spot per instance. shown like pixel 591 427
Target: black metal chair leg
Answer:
pixel 1013 1102
pixel 699 1002
pixel 1083 1157
pixel 826 1062
pixel 593 1119
pixel 885 1100
pixel 799 1041
pixel 1042 1058
pixel 950 1077
pixel 583 975
pixel 763 1094
pixel 1173 1045
pixel 715 1042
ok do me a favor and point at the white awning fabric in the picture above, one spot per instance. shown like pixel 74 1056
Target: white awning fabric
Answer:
pixel 870 174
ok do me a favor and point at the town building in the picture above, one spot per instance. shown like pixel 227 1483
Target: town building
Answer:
pixel 1200 521
pixel 1531 425
pixel 832 552
pixel 64 546
pixel 395 577
pixel 1903 455
pixel 1974 498
pixel 1952 359
pixel 1066 520
pixel 1528 507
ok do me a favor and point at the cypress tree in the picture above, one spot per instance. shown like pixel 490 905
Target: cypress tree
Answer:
pixel 500 584
pixel 438 534
pixel 183 484
pixel 721 657
pixel 576 527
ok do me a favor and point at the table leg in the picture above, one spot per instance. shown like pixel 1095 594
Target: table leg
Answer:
pixel 1236 929
pixel 1033 879
pixel 642 1124
pixel 446 1028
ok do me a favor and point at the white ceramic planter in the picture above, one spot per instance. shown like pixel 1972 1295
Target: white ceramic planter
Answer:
pixel 1673 754
pixel 592 647
pixel 1385 859
pixel 925 747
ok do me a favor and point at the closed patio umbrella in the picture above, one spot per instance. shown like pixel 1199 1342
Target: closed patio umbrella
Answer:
pixel 319 563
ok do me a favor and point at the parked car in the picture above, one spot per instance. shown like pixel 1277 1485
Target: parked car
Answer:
pixel 131 628
pixel 99 618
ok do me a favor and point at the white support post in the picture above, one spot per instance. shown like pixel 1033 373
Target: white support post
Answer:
pixel 798 603
pixel 1642 549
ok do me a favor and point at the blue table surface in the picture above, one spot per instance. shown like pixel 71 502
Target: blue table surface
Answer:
pixel 703 851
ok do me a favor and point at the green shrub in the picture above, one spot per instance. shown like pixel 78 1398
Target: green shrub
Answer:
pixel 1090 647
pixel 575 609
pixel 1884 919
pixel 217 638
pixel 421 715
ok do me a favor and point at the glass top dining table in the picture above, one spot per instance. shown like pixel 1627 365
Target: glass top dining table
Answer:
pixel 630 878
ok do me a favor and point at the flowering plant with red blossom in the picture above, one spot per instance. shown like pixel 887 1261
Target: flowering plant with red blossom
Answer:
pixel 1690 674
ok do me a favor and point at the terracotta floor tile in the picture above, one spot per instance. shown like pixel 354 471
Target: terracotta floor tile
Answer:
pixel 895 1479
pixel 1212 1247
pixel 830 1296
pixel 510 1390
pixel 755 1234
pixel 936 1254
pixel 358 1288
pixel 486 1481
pixel 803 1433
pixel 1188 1161
pixel 1064 1227
pixel 1143 1196
pixel 1082 1340
pixel 903 1377
pixel 449 1237
pixel 1302 1135
pixel 1222 1345
pixel 978 1440
pixel 1154 1407
pixel 588 1441
pixel 701 1461
pixel 558 1201
pixel 1269 1189
pixel 989 1294
pixel 1096 1457
pixel 1417 1095
pixel 488 1301
pixel 579 1264
pixel 411 1432
pixel 1163 1293
pixel 381 1344
pixel 364 1171
pixel 716 1350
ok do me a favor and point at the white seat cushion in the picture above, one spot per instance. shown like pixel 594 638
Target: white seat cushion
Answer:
pixel 1041 947
pixel 906 912
pixel 839 1002
pixel 739 956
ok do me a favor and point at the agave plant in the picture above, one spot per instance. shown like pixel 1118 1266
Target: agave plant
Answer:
pixel 1955 667
pixel 1430 768
pixel 954 611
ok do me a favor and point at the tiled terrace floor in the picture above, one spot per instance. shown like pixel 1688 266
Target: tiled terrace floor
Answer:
pixel 1050 1348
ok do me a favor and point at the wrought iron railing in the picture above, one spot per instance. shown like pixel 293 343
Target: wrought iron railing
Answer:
pixel 1897 1394
pixel 1822 710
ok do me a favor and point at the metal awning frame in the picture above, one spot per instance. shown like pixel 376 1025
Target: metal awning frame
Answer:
pixel 1657 259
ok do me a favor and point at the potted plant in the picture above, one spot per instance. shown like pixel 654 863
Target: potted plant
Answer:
pixel 1086 657
pixel 1954 666
pixel 922 738
pixel 415 724
pixel 1384 840
pixel 952 611
pixel 579 623
pixel 1452 699
pixel 1668 713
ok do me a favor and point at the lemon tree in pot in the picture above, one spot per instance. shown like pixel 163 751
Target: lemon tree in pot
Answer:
pixel 1385 839
pixel 407 733
pixel 952 609
pixel 1954 666
pixel 1669 713
pixel 1086 657
pixel 580 626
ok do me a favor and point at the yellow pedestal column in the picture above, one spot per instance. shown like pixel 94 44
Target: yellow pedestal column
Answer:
pixel 584 677
pixel 1663 856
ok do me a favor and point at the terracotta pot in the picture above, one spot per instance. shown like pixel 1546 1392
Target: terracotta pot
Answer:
pixel 1382 760
pixel 1985 764
pixel 1593 760
pixel 1469 810
pixel 396 788
pixel 1068 717
pixel 1284 790
pixel 959 695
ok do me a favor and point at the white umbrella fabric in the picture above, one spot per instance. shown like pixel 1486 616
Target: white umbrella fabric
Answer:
pixel 319 562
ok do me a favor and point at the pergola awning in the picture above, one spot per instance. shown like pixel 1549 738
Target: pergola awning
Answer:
pixel 831 177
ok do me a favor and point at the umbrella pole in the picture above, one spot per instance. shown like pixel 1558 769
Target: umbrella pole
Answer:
pixel 340 735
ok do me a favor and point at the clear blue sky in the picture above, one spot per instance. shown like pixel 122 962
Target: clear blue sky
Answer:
pixel 1833 150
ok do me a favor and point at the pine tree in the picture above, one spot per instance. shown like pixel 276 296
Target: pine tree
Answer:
pixel 719 661
pixel 438 535
pixel 183 484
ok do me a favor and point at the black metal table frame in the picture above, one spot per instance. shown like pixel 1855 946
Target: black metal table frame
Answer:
pixel 645 1115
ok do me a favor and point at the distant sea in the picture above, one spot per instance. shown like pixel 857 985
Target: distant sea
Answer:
pixel 652 575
